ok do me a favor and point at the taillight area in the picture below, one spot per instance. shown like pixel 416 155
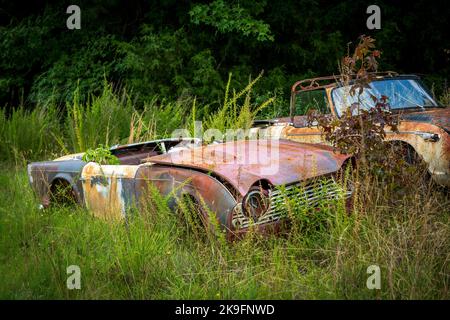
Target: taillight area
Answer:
pixel 29 171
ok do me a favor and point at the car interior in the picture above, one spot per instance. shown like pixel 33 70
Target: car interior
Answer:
pixel 134 154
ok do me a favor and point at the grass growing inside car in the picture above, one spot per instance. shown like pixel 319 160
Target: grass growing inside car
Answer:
pixel 153 257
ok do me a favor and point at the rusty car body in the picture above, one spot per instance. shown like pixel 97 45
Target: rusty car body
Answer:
pixel 236 181
pixel 424 125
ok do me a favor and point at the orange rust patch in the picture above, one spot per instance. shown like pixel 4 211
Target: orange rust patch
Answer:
pixel 102 186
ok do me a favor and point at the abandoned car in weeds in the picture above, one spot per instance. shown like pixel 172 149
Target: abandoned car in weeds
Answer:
pixel 423 128
pixel 237 182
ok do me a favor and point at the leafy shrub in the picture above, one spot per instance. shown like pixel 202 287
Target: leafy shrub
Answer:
pixel 358 131
pixel 82 71
pixel 228 18
pixel 100 155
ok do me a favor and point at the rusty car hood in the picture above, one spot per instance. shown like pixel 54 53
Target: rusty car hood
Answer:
pixel 243 163
pixel 439 117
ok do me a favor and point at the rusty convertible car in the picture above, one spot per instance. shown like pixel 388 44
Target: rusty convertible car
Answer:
pixel 423 130
pixel 236 181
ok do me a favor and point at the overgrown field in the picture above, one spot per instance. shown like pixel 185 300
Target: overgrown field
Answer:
pixel 157 256
pixel 399 223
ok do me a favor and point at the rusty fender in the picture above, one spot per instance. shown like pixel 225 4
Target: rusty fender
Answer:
pixel 436 154
pixel 110 190
pixel 42 175
pixel 205 189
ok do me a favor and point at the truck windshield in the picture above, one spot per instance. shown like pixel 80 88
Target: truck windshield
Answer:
pixel 401 93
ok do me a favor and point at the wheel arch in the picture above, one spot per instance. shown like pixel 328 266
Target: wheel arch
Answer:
pixel 204 188
pixel 64 178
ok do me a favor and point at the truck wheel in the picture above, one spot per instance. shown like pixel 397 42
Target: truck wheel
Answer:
pixel 406 152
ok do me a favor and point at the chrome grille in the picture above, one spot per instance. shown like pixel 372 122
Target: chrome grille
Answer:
pixel 305 195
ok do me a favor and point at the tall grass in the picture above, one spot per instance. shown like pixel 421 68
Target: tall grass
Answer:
pixel 156 256
pixel 110 118
pixel 28 134
pixel 168 116
pixel 235 113
pixel 396 223
pixel 105 119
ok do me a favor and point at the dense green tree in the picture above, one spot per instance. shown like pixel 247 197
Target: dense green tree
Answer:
pixel 187 48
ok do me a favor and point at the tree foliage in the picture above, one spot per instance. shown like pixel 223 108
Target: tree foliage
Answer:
pixel 230 18
pixel 183 49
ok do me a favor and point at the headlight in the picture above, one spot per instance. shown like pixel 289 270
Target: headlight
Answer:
pixel 256 203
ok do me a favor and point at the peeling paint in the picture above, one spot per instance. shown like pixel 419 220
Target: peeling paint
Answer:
pixel 108 189
pixel 217 176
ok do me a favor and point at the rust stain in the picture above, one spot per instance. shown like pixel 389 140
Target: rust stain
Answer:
pixel 217 176
pixel 276 161
pixel 103 188
pixel 413 128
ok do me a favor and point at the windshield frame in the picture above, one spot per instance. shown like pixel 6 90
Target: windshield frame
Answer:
pixel 401 77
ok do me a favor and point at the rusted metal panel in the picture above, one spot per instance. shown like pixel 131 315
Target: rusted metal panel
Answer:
pixel 108 189
pixel 439 117
pixel 303 134
pixel 435 153
pixel 243 163
pixel 42 175
pixel 68 168
pixel 177 182
pixel 414 127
